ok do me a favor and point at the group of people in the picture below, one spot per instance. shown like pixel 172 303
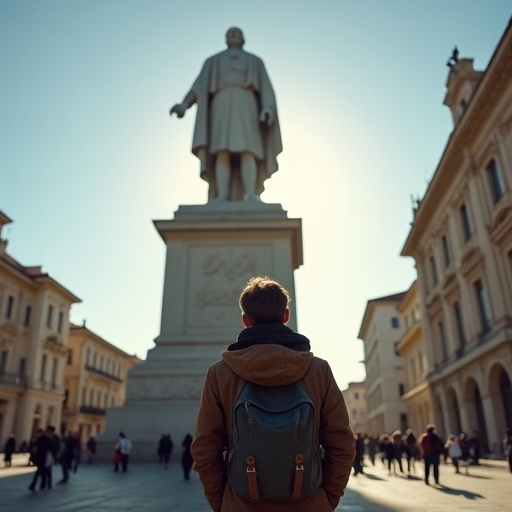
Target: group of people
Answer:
pixel 48 449
pixel 165 448
pixel 462 451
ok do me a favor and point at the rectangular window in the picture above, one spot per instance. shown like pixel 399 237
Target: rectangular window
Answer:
pixel 60 322
pixel 483 307
pixel 442 339
pixel 460 328
pixel 495 182
pixel 433 270
pixel 43 369
pixel 55 369
pixel 395 322
pixel 446 252
pixel 28 313
pixel 3 361
pixel 49 318
pixel 466 226
pixel 21 367
pixel 70 356
pixel 356 396
pixel 10 306
pixel 403 422
pixel 401 390
pixel 88 357
pixel 66 397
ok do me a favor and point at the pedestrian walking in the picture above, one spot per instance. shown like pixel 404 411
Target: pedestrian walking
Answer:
pixel 66 456
pixel 464 446
pixel 9 448
pixel 373 446
pixel 507 447
pixel 432 448
pixel 411 447
pixel 167 448
pixel 40 449
pixel 123 449
pixel 77 455
pixel 53 455
pixel 357 464
pixel 454 451
pixel 270 360
pixel 186 456
pixel 91 449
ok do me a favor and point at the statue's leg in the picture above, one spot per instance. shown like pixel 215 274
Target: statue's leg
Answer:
pixel 249 170
pixel 222 173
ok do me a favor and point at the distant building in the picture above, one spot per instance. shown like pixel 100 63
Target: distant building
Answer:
pixel 412 348
pixel 355 400
pixel 461 241
pixel 381 331
pixel 34 328
pixel 94 379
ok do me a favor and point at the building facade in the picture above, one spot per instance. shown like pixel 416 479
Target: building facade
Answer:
pixel 355 400
pixel 34 328
pixel 381 331
pixel 94 378
pixel 412 349
pixel 461 241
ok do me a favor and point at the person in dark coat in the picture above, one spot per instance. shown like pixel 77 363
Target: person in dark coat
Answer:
pixel 166 446
pixel 40 450
pixel 432 447
pixel 66 456
pixel 91 448
pixel 9 448
pixel 357 464
pixel 54 453
pixel 410 449
pixel 186 457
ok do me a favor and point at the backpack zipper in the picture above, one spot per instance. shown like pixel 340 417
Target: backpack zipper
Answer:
pixel 250 420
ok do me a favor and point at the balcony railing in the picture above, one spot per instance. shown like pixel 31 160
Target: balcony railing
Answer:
pixel 89 409
pixel 102 373
pixel 13 380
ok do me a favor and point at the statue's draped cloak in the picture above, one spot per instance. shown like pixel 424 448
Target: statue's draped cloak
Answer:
pixel 207 84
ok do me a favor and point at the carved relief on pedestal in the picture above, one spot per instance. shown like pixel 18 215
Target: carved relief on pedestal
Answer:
pixel 217 276
pixel 188 387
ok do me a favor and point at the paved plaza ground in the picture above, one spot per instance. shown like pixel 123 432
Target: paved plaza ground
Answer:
pixel 148 487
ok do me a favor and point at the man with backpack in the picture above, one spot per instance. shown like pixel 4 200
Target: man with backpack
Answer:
pixel 272 431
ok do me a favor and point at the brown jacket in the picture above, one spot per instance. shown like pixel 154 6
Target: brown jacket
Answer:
pixel 271 365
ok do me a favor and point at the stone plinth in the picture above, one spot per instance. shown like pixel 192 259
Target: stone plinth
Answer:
pixel 212 251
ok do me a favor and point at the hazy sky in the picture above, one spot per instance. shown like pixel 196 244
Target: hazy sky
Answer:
pixel 89 155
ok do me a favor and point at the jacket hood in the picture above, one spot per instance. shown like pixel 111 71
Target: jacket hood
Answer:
pixel 269 355
pixel 268 365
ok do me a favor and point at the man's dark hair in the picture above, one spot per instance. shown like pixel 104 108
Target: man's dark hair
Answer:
pixel 264 301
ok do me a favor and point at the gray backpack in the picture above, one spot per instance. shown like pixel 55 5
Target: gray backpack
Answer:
pixel 274 451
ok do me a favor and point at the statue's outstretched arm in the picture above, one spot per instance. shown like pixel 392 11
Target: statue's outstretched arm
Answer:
pixel 180 108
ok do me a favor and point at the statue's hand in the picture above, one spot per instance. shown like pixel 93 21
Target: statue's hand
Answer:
pixel 178 109
pixel 267 116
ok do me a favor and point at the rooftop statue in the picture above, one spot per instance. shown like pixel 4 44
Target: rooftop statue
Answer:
pixel 236 136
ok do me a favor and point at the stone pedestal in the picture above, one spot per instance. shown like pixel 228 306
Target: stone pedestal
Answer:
pixel 212 251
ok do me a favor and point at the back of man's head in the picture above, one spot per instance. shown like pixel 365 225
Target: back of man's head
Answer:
pixel 264 301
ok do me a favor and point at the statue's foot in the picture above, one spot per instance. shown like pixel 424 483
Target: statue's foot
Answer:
pixel 253 198
pixel 219 199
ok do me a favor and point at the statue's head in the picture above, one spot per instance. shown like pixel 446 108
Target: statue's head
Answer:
pixel 235 38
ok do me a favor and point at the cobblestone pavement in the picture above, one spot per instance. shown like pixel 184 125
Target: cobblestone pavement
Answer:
pixel 148 487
